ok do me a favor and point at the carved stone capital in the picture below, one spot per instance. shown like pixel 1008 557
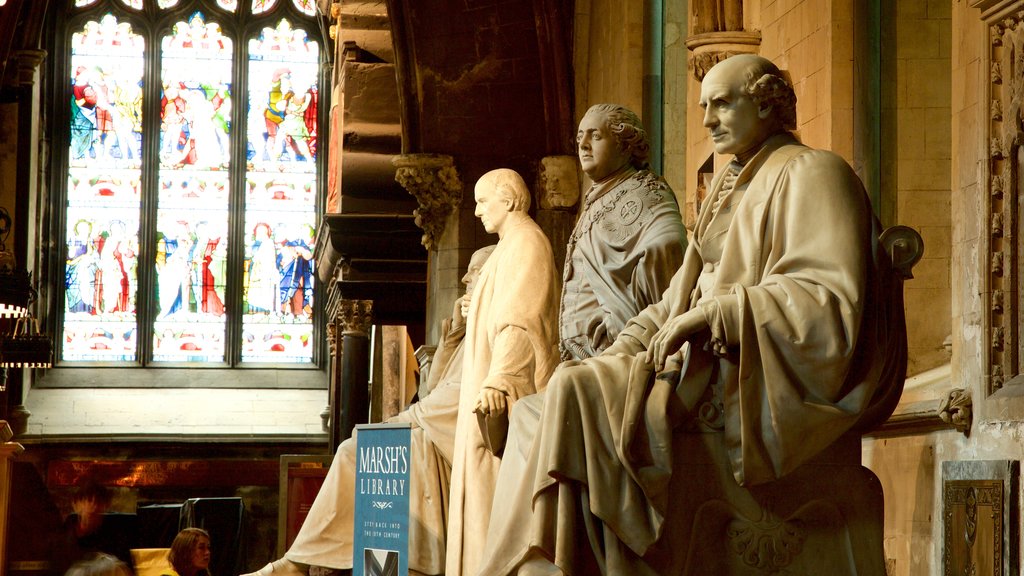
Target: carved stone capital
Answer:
pixel 433 180
pixel 712 47
pixel 956 410
pixel 28 62
pixel 332 337
pixel 355 317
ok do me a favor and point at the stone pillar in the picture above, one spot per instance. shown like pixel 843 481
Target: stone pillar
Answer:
pixel 350 381
pixel 716 32
pixel 26 62
pixel 433 180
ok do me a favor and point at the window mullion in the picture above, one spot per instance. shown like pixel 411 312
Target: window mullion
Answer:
pixel 146 308
pixel 236 214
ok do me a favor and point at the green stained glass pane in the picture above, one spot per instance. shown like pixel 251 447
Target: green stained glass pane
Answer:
pixel 261 6
pixel 193 198
pixel 103 194
pixel 280 196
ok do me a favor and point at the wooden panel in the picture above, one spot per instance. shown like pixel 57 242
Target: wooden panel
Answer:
pixel 139 473
pixel 980 525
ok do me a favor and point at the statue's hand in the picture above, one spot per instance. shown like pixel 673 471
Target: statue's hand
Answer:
pixel 491 402
pixel 671 336
pixel 458 314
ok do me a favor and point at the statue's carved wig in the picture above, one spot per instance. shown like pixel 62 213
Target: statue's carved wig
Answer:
pixel 628 130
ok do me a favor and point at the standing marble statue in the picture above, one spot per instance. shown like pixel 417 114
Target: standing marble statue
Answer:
pixel 778 317
pixel 510 352
pixel 325 538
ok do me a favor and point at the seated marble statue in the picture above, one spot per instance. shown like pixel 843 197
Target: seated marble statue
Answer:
pixel 775 330
pixel 325 538
pixel 628 240
pixel 511 350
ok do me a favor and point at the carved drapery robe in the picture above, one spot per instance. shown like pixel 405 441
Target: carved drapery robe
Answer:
pixel 511 346
pixel 626 245
pixel 801 347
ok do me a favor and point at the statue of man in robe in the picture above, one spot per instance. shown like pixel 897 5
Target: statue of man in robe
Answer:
pixel 511 350
pixel 325 538
pixel 777 321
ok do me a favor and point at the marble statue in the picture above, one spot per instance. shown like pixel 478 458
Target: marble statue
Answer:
pixel 511 350
pixel 325 538
pixel 624 249
pixel 774 338
pixel 559 184
pixel 628 240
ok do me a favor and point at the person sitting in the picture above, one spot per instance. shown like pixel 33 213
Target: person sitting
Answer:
pixel 190 553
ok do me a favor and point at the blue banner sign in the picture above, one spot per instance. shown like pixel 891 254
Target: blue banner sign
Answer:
pixel 381 531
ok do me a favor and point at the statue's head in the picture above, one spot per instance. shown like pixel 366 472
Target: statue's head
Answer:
pixel 559 182
pixel 746 99
pixel 610 137
pixel 498 193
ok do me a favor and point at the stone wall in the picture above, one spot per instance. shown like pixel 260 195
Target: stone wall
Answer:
pixel 910 467
pixel 916 159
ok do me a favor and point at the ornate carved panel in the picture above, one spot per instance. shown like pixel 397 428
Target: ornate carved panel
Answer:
pixel 980 524
pixel 1005 136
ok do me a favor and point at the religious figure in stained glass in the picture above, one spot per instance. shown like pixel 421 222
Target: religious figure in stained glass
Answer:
pixel 263 285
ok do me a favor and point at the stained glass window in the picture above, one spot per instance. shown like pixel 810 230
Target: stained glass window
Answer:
pixel 306 6
pixel 189 241
pixel 261 6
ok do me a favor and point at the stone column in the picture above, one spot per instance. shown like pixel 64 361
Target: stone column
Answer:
pixel 26 63
pixel 350 382
pixel 716 32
